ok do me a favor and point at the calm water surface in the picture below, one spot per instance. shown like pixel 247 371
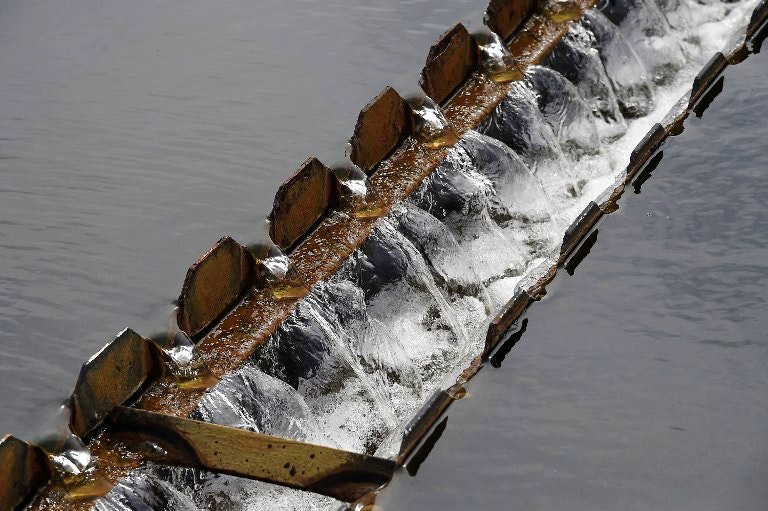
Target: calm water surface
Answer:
pixel 641 382
pixel 134 135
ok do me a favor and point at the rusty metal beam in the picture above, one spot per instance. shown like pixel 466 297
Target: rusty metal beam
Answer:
pixel 184 442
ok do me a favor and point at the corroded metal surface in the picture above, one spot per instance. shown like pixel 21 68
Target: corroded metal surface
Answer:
pixel 449 62
pixel 381 126
pixel 23 469
pixel 112 377
pixel 300 203
pixel 213 284
pixel 183 442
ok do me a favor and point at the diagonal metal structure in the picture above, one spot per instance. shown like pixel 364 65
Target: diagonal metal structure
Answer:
pixel 226 290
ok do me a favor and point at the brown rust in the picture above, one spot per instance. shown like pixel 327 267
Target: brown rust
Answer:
pixel 339 474
pixel 381 126
pixel 213 284
pixel 23 469
pixel 504 16
pixel 111 378
pixel 300 203
pixel 449 62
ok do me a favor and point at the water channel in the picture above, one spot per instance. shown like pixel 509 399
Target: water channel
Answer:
pixel 640 381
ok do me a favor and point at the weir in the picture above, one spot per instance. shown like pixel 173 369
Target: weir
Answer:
pixel 392 275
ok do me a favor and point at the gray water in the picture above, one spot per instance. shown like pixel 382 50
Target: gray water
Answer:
pixel 134 135
pixel 641 381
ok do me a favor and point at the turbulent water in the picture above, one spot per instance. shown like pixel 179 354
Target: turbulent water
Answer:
pixel 408 309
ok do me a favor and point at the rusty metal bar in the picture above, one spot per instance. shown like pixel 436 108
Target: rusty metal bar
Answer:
pixel 24 468
pixel 184 442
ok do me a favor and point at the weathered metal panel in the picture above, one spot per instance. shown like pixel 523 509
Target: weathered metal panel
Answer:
pixel 111 378
pixel 184 442
pixel 505 16
pixel 300 203
pixel 23 469
pixel 450 61
pixel 213 284
pixel 381 126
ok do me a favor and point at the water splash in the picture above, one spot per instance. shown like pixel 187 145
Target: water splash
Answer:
pixel 496 61
pixel 430 126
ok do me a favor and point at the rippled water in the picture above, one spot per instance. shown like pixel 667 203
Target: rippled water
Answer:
pixel 639 382
pixel 133 136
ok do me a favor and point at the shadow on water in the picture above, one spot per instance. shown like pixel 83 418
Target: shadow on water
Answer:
pixel 644 174
pixel 708 97
pixel 581 253
pixel 423 452
pixel 498 357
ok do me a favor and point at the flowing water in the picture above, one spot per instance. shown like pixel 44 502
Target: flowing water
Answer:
pixel 132 137
pixel 410 307
pixel 639 381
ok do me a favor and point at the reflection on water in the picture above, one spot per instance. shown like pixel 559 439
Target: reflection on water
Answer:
pixel 640 382
pixel 134 137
